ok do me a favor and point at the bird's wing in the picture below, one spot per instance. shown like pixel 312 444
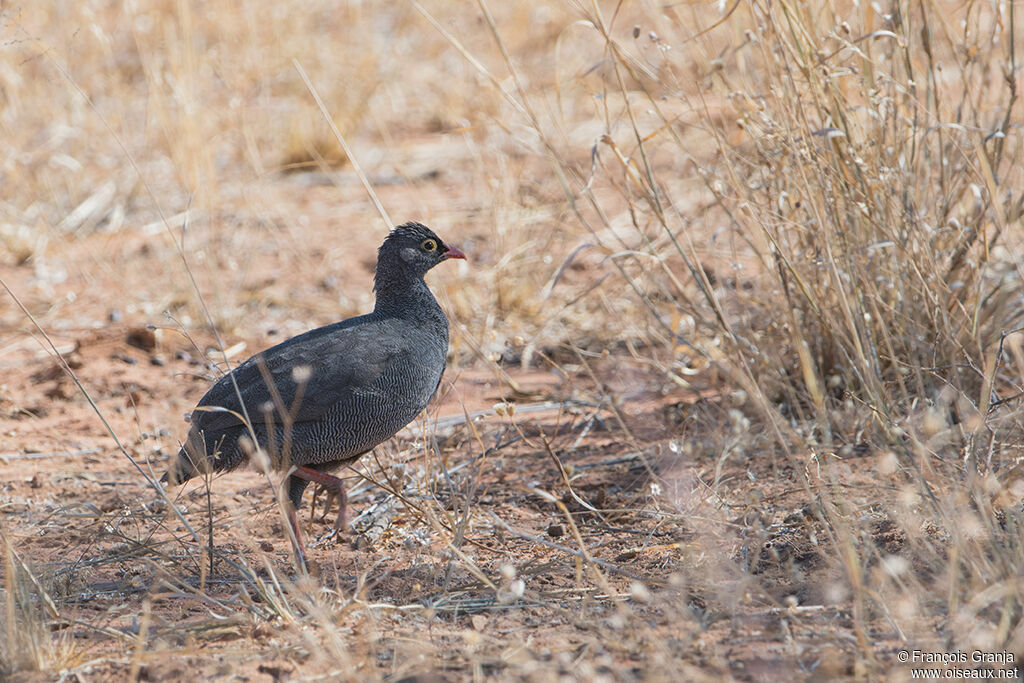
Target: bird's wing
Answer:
pixel 340 360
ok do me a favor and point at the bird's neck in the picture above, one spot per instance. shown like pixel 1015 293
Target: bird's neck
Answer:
pixel 404 297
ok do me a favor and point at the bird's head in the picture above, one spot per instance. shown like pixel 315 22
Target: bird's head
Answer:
pixel 413 248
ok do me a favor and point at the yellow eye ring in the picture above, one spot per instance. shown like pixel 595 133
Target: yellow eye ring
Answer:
pixel 428 245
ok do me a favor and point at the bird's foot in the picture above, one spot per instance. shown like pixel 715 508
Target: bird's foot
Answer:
pixel 333 535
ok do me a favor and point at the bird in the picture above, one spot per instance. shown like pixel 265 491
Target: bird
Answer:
pixel 319 401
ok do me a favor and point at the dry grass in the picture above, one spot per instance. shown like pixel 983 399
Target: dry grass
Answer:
pixel 761 258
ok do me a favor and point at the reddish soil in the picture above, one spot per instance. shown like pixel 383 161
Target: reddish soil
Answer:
pixel 597 531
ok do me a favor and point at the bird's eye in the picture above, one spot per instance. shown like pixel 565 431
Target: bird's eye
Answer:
pixel 428 245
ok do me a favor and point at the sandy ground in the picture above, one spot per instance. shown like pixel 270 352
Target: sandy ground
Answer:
pixel 580 534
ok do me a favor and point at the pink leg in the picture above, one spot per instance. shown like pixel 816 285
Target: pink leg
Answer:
pixel 334 486
pixel 300 551
pixel 328 502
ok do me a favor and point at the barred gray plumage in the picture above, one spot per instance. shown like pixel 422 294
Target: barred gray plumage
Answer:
pixel 337 391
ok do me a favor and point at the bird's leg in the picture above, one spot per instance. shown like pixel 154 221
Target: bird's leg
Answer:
pixel 312 507
pixel 293 521
pixel 328 502
pixel 335 488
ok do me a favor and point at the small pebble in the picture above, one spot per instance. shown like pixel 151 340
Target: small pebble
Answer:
pixel 556 531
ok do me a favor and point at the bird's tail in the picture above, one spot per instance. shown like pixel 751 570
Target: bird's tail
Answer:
pixel 180 469
pixel 190 461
